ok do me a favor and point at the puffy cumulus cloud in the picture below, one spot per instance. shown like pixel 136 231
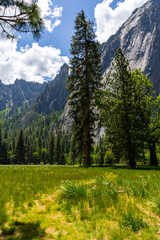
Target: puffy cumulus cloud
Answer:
pixel 51 14
pixel 109 20
pixel 30 63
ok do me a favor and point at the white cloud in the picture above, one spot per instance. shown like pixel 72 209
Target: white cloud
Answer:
pixel 51 14
pixel 30 63
pixel 108 20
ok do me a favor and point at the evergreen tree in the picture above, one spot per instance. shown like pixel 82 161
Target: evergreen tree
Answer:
pixel 3 149
pixel 1 146
pixel 4 153
pixel 72 151
pixel 151 120
pixel 0 134
pixel 52 149
pixel 83 82
pixel 58 149
pixel 125 107
pixel 62 151
pixel 20 151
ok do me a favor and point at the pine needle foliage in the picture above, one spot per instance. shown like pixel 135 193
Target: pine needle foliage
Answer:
pixel 20 16
pixel 83 82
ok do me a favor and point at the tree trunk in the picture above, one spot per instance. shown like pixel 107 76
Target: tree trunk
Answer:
pixel 87 143
pixel 132 162
pixel 87 158
pixel 131 154
pixel 153 155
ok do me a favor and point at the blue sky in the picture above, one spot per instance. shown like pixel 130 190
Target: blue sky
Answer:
pixel 39 61
pixel 61 35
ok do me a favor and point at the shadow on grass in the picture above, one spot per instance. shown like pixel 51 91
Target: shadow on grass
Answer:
pixel 138 167
pixel 25 231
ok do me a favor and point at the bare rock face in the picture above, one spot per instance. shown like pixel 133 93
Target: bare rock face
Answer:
pixel 54 96
pixel 14 95
pixel 139 38
pixel 65 120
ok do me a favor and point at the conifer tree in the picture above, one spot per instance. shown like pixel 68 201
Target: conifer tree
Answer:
pixel 52 149
pixel 58 149
pixel 126 109
pixel 20 151
pixel 84 80
pixel 3 149
pixel 1 145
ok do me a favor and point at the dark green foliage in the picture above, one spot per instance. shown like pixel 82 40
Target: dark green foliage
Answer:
pixel 20 151
pixel 58 150
pixel 52 149
pixel 3 149
pixel 25 18
pixel 126 106
pixel 39 144
pixel 133 221
pixel 73 151
pixel 83 83
pixel 72 190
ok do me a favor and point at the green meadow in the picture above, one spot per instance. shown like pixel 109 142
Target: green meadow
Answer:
pixel 52 202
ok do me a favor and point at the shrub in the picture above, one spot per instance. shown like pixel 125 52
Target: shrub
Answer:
pixel 72 190
pixel 109 157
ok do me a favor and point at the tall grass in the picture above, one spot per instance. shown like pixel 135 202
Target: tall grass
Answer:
pixel 21 184
pixel 96 203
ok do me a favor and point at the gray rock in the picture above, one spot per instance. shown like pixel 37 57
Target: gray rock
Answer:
pixel 139 38
pixel 15 95
pixel 54 96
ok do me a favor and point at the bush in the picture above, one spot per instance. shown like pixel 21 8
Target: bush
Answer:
pixel 72 190
pixel 109 157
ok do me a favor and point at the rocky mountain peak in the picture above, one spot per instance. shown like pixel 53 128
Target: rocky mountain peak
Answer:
pixel 54 96
pixel 64 68
pixel 139 37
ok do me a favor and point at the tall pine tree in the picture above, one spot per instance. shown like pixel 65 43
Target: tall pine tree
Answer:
pixel 20 151
pixel 84 80
pixel 52 149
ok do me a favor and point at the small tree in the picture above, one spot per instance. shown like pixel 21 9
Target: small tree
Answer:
pixel 84 80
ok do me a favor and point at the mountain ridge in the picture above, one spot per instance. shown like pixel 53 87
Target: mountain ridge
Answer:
pixel 54 96
pixel 14 95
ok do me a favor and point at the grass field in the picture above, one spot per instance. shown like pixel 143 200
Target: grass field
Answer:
pixel 67 203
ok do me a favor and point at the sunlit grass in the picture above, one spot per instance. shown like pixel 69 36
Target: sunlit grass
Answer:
pixel 46 202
